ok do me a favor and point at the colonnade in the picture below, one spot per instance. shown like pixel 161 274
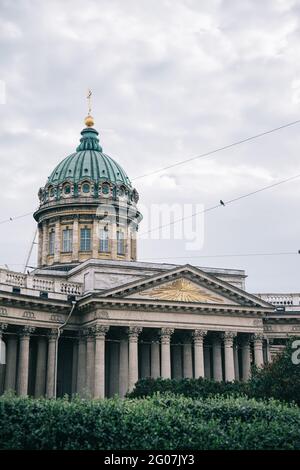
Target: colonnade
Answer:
pixel 197 353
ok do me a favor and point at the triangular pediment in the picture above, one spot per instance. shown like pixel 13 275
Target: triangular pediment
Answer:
pixel 180 290
pixel 186 284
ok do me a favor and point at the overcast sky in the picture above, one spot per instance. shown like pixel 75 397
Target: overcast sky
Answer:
pixel 170 80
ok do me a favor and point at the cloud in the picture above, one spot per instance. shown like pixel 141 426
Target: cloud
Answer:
pixel 170 80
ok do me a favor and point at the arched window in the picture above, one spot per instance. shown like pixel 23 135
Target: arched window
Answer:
pixel 86 188
pixel 67 189
pixel 105 188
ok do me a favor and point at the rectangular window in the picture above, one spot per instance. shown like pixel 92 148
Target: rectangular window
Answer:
pixel 133 247
pixel 104 241
pixel 120 243
pixel 67 240
pixel 85 239
pixel 51 242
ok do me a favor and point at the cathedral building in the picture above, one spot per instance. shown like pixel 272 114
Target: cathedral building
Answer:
pixel 92 319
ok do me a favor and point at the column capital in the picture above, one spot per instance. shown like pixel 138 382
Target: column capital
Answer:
pixel 134 332
pixel 99 331
pixel 3 326
pixel 53 334
pixel 165 335
pixel 258 338
pixel 26 331
pixel 198 336
pixel 228 337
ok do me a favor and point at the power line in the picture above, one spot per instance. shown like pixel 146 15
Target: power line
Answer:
pixel 234 255
pixel 182 162
pixel 230 201
pixel 14 218
pixel 211 152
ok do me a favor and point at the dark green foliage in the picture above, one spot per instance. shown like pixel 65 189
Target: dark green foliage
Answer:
pixel 280 380
pixel 194 388
pixel 160 422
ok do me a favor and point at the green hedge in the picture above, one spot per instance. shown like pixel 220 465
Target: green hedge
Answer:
pixel 160 422
pixel 193 388
pixel 279 380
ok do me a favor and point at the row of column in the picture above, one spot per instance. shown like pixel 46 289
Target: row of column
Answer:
pixel 89 359
pixel 17 362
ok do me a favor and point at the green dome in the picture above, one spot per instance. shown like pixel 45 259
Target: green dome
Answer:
pixel 89 162
pixel 88 173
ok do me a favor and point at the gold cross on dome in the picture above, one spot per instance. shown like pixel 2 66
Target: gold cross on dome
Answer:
pixel 89 101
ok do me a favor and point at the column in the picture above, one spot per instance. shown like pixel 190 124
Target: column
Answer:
pixel 113 228
pixel 81 371
pixel 228 353
pixel 23 367
pixel 11 363
pixel 246 359
pixel 236 359
pixel 52 363
pixel 74 365
pixel 176 361
pixel 45 249
pixel 217 358
pixel 145 360
pixel 165 336
pixel 95 239
pixel 207 362
pixel 269 359
pixel 123 367
pixel 258 350
pixel 113 368
pixel 3 327
pixel 75 249
pixel 155 358
pixel 133 334
pixel 57 245
pixel 40 245
pixel 198 336
pixel 41 366
pixel 99 387
pixel 187 356
pixel 90 362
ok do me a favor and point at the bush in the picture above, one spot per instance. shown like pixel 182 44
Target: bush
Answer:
pixel 163 422
pixel 279 380
pixel 193 388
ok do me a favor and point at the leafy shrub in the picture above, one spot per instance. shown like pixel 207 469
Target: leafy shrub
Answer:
pixel 280 379
pixel 159 422
pixel 194 388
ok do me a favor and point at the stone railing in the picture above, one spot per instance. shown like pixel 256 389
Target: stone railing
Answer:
pixel 42 284
pixel 70 288
pixel 39 283
pixel 14 279
pixel 281 300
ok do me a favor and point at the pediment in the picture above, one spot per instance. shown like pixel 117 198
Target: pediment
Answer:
pixel 186 284
pixel 181 290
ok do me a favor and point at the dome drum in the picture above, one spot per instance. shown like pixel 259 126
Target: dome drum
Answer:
pixel 87 209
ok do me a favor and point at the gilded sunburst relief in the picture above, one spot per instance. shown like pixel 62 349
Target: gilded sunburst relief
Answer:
pixel 181 290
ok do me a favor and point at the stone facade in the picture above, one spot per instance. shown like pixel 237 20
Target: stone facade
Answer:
pixel 92 320
pixel 115 336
